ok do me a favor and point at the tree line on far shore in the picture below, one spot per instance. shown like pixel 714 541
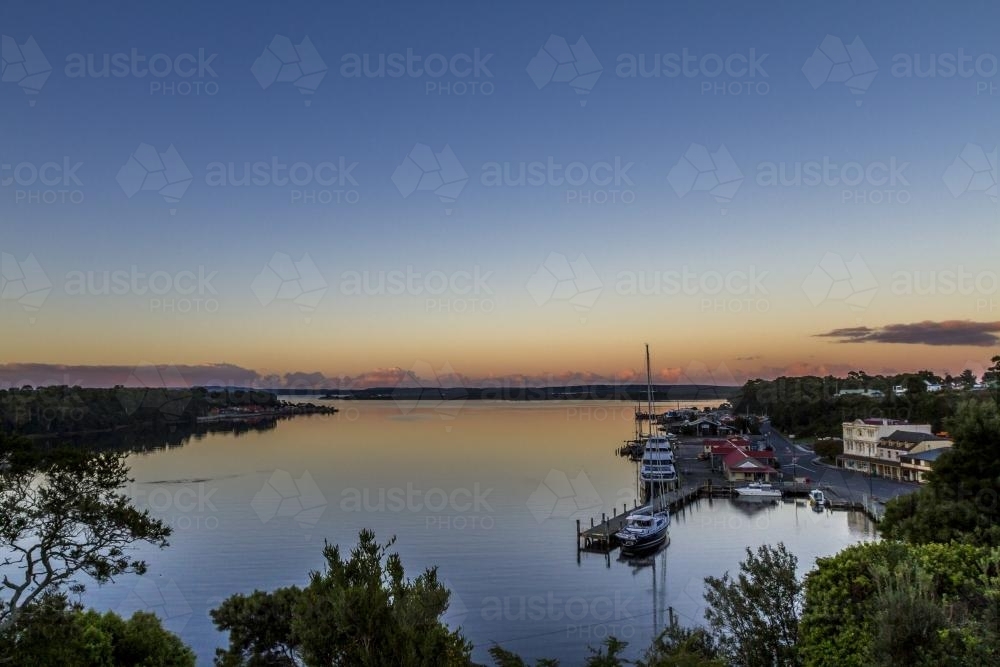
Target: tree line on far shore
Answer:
pixel 927 594
pixel 811 406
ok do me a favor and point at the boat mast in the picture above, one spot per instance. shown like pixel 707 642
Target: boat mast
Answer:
pixel 649 414
pixel 649 392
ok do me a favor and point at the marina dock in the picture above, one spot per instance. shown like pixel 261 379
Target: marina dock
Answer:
pixel 600 537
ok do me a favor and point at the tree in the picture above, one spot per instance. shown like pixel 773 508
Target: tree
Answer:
pixel 908 620
pixel 53 632
pixel 678 646
pixel 959 502
pixel 829 449
pixel 967 378
pixel 992 374
pixel 890 603
pixel 607 656
pixel 754 616
pixel 360 611
pixel 62 515
pixel 915 385
pixel 260 628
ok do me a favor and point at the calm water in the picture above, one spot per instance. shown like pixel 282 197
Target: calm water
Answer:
pixel 487 492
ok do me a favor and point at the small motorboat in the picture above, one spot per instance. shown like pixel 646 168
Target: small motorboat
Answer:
pixel 644 529
pixel 817 499
pixel 758 490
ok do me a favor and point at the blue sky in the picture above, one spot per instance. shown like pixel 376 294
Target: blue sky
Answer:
pixel 648 122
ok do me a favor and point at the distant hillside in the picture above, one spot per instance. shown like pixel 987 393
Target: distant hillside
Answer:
pixel 629 392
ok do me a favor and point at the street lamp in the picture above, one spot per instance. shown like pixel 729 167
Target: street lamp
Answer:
pixel 791 442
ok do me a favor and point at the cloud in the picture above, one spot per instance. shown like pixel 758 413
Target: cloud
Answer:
pixel 949 332
pixel 231 375
pixel 36 374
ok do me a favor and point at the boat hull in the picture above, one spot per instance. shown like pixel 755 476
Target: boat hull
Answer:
pixel 635 545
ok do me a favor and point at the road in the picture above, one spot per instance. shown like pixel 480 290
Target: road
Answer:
pixel 847 484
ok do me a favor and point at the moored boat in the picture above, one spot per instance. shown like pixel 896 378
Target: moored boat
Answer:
pixel 758 490
pixel 644 529
pixel 817 499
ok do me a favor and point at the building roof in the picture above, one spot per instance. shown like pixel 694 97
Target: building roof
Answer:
pixel 743 462
pixel 702 420
pixel 929 455
pixel 912 437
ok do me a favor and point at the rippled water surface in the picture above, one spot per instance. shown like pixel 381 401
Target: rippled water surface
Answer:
pixel 488 492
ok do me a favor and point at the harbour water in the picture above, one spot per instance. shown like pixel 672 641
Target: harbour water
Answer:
pixel 487 492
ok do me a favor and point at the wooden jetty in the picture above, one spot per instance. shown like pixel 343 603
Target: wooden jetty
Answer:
pixel 600 537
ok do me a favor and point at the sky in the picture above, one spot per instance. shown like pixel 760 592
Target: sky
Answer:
pixel 341 193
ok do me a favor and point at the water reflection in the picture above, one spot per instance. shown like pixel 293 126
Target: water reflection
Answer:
pixel 490 495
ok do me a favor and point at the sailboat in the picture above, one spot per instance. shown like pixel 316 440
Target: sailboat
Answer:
pixel 646 528
pixel 657 467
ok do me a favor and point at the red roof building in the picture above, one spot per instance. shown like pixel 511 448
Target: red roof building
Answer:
pixel 741 466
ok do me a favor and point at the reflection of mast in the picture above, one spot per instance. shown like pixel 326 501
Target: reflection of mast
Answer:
pixel 656 601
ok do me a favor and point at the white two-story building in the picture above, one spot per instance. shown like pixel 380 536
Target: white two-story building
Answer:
pixel 862 437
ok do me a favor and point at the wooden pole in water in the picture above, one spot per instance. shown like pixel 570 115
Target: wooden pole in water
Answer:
pixel 578 535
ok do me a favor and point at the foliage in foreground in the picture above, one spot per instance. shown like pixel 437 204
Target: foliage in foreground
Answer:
pixel 53 632
pixel 961 500
pixel 889 603
pixel 62 516
pixel 754 616
pixel 360 611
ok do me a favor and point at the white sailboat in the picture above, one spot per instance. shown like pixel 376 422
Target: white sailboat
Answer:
pixel 657 466
pixel 647 528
